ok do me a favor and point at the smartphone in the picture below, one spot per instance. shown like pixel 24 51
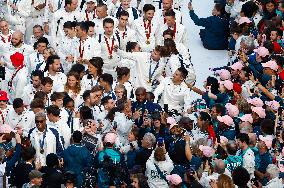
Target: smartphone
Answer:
pixel 114 125
pixel 166 108
pixel 160 141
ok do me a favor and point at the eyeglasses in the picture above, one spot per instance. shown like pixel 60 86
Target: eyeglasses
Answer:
pixel 39 121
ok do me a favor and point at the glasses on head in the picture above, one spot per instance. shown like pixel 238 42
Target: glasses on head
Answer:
pixel 39 121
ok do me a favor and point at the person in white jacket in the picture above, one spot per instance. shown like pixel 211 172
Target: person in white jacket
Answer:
pixel 174 91
pixel 273 175
pixel 148 66
pixel 44 139
pixel 159 162
pixel 17 13
pixel 122 123
pixel 64 131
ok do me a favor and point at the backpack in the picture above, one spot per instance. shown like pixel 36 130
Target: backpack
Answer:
pixel 186 63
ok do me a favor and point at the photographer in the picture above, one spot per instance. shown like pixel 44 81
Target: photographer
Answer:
pixel 158 166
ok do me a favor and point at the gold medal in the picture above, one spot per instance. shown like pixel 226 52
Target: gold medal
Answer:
pixel 149 81
pixel 41 151
pixel 110 57
pixel 147 42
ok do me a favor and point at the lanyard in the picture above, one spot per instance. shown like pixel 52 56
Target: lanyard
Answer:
pixel 123 34
pixel 41 142
pixel 10 83
pixel 59 4
pixel 110 49
pixel 81 49
pixel 2 117
pixel 87 15
pixel 151 74
pixel 147 27
pixel 3 39
pixel 175 30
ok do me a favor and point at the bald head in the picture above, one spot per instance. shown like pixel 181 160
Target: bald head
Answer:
pixel 219 166
pixel 17 39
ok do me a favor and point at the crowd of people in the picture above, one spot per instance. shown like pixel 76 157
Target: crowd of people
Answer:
pixel 98 94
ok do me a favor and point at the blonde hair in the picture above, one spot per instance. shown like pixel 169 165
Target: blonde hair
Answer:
pixel 225 181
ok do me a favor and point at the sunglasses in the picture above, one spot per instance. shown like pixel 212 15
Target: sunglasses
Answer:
pixel 39 121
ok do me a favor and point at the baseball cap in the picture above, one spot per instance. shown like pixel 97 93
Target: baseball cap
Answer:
pixel 35 174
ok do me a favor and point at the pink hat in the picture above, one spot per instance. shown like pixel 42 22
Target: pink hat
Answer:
pixel 237 66
pixel 174 179
pixel 207 151
pixel 267 140
pixel 226 119
pixel 171 121
pixel 260 111
pixel 262 51
pixel 270 64
pixel 232 110
pixel 257 102
pixel 247 118
pixel 5 129
pixel 224 74
pixel 228 84
pixel 223 140
pixel 110 138
pixel 273 104
pixel 244 20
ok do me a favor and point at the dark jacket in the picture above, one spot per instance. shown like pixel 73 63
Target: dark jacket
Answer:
pixel 77 158
pixel 215 34
pixel 52 177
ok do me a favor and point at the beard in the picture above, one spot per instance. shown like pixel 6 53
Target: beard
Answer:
pixel 17 44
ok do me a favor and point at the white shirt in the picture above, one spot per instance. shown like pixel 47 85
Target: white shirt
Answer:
pixel 59 80
pixel 6 39
pixel 176 96
pixel 249 161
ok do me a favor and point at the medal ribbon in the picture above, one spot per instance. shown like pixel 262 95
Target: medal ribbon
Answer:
pixel 151 74
pixel 10 83
pixel 9 39
pixel 148 27
pixel 81 49
pixel 110 49
pixel 2 117
pixel 87 16
pixel 41 142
